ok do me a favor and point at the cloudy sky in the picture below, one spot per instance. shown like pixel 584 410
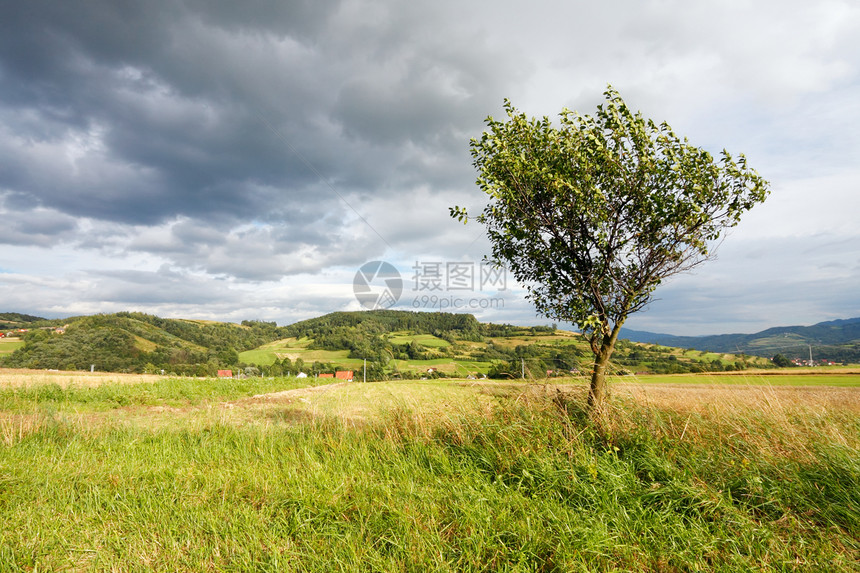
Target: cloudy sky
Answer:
pixel 242 160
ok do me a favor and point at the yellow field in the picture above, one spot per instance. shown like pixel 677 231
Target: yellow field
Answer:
pixel 20 377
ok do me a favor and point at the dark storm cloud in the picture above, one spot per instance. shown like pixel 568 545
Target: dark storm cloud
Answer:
pixel 141 112
pixel 186 122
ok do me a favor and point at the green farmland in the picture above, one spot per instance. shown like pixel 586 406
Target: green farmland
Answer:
pixel 427 340
pixel 293 349
pixel 9 345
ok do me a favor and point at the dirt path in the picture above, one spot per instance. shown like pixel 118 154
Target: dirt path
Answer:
pixel 290 395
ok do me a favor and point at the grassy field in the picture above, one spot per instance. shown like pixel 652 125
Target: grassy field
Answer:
pixel 560 338
pixel 134 474
pixel 427 340
pixel 21 377
pixel 292 348
pixel 848 377
pixel 9 345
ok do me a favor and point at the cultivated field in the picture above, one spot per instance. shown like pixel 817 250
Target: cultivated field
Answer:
pixel 113 472
pixel 10 345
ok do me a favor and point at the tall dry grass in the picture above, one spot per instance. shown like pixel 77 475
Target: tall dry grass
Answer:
pixel 21 378
pixel 516 478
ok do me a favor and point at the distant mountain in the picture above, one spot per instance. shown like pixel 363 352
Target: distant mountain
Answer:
pixel 837 340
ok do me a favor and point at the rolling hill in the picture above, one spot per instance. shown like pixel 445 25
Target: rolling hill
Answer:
pixel 15 320
pixel 137 342
pixel 410 344
pixel 394 344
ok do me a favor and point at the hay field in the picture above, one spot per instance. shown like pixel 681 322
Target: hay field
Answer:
pixel 21 377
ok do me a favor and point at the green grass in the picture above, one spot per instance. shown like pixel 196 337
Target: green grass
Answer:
pixel 264 357
pixel 546 339
pixel 266 354
pixel 10 345
pixel 172 392
pixel 427 340
pixel 452 367
pixel 437 477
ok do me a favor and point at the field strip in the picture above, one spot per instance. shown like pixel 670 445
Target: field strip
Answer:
pixel 704 396
pixel 290 355
pixel 20 378
pixel 290 394
pixel 780 372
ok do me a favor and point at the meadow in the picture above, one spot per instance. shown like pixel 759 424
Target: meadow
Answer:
pixel 10 345
pixel 185 474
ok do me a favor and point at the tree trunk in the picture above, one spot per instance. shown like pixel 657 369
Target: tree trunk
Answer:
pixel 597 391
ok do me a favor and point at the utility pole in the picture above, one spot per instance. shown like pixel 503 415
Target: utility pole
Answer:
pixel 365 371
pixel 524 367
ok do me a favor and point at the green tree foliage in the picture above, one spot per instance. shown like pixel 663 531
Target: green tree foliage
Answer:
pixel 82 346
pixel 383 321
pixel 593 214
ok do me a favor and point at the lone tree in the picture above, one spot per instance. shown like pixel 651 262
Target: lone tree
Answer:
pixel 593 214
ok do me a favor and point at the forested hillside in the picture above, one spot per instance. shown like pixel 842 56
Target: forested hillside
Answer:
pixel 15 320
pixel 137 342
pixel 391 343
